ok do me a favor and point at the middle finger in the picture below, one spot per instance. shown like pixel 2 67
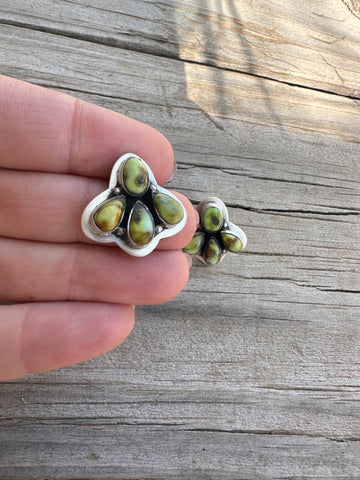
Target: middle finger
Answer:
pixel 47 207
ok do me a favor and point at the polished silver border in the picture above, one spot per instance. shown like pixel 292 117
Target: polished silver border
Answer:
pixel 117 189
pixel 93 225
pixel 132 243
pixel 228 227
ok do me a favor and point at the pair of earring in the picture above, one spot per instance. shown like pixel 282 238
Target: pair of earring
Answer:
pixel 136 213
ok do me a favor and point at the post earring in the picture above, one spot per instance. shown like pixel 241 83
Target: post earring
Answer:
pixel 216 235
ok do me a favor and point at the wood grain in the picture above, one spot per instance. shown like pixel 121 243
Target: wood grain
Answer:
pixel 253 371
pixel 308 43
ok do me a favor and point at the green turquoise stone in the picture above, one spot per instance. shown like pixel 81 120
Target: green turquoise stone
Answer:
pixel 141 224
pixel 195 244
pixel 168 209
pixel 108 217
pixel 212 219
pixel 212 253
pixel 232 242
pixel 135 176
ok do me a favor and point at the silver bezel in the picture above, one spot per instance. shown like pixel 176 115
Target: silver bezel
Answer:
pixel 117 189
pixel 104 202
pixel 228 227
pixel 135 245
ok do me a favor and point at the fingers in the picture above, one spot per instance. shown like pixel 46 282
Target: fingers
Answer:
pixel 48 131
pixel 32 271
pixel 38 337
pixel 47 207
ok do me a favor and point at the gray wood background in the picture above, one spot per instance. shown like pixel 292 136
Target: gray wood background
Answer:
pixel 253 371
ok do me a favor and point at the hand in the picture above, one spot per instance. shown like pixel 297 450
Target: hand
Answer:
pixel 73 297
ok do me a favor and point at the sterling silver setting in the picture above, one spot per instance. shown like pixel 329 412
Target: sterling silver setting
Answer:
pixel 121 232
pixel 216 236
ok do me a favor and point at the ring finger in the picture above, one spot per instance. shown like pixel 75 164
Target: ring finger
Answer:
pixel 34 271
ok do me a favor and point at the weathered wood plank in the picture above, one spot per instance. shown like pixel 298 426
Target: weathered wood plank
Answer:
pixel 196 454
pixel 253 371
pixel 308 43
pixel 258 137
pixel 231 387
pixel 226 372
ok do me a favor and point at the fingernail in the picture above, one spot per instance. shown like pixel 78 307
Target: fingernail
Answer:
pixel 189 260
pixel 173 173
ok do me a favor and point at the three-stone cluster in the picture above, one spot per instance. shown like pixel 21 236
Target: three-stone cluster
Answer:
pixel 135 210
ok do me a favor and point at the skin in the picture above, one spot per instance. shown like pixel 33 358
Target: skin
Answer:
pixel 73 301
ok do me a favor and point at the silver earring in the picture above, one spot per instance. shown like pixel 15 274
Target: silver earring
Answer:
pixel 216 235
pixel 134 212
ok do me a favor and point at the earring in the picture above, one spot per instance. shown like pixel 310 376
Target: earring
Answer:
pixel 134 212
pixel 216 235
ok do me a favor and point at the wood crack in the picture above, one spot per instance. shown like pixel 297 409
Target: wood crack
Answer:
pixel 179 426
pixel 335 290
pixel 300 211
pixel 276 432
pixel 349 6
pixel 240 173
pixel 111 42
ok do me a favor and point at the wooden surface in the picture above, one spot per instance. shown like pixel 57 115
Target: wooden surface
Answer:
pixel 253 371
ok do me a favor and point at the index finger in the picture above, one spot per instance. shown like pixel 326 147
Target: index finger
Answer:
pixel 45 130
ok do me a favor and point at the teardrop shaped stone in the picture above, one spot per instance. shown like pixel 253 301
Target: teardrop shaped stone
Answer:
pixel 212 252
pixel 212 219
pixel 232 242
pixel 195 244
pixel 135 176
pixel 108 217
pixel 141 224
pixel 169 209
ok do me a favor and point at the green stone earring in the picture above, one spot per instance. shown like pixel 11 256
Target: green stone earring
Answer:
pixel 216 235
pixel 134 212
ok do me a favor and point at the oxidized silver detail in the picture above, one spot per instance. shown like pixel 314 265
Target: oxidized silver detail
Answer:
pixel 226 227
pixel 120 235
